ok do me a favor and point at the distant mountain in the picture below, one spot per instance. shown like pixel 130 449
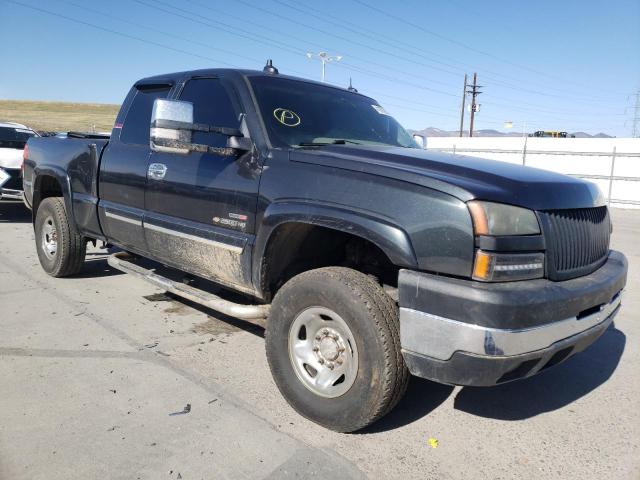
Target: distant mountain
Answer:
pixel 586 135
pixel 436 132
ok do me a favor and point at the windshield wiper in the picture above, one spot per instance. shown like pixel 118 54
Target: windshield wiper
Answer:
pixel 337 141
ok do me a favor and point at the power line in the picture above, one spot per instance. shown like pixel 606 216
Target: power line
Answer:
pixel 406 21
pixel 343 64
pixel 153 29
pixel 178 50
pixel 353 66
pixel 231 29
pixel 377 36
pixel 122 34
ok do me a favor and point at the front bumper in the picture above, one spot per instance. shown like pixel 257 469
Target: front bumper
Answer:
pixel 463 332
pixel 9 194
pixel 10 184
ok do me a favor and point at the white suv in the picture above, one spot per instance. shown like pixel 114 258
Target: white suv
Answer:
pixel 13 138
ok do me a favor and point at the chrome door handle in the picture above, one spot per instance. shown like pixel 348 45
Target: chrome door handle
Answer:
pixel 157 171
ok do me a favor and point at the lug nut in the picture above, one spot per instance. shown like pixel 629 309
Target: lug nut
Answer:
pixel 339 361
pixel 318 337
pixel 330 365
pixel 321 361
pixel 315 349
pixel 335 337
pixel 341 349
pixel 325 331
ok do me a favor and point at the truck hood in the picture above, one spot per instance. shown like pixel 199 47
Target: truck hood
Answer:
pixel 10 158
pixel 464 177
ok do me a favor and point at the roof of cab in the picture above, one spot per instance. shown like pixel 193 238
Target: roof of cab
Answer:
pixel 171 78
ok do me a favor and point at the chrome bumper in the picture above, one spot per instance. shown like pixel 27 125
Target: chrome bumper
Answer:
pixel 8 194
pixel 439 337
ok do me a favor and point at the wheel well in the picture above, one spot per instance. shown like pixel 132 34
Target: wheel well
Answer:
pixel 46 186
pixel 297 247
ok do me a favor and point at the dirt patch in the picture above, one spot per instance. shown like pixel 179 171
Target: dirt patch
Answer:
pixel 158 297
pixel 215 327
pixel 176 305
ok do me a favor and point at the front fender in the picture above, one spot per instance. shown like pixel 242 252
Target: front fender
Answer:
pixel 391 239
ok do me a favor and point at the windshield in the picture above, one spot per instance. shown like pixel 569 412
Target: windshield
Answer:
pixel 299 114
pixel 14 137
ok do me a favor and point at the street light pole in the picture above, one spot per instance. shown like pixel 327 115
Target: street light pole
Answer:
pixel 324 58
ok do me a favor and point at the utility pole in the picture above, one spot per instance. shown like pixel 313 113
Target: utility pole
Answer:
pixel 636 117
pixel 475 91
pixel 464 94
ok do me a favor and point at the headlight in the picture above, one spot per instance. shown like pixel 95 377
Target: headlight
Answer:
pixel 507 267
pixel 498 219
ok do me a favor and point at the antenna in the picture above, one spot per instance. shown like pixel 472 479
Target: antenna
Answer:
pixel 269 68
pixel 351 87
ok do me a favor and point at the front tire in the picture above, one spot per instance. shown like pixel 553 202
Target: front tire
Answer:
pixel 61 250
pixel 333 345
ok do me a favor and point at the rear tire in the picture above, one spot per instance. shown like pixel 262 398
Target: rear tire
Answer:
pixel 333 345
pixel 61 250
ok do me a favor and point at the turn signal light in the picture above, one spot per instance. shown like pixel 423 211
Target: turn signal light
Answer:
pixel 507 267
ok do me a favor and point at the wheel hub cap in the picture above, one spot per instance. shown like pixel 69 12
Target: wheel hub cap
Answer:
pixel 49 238
pixel 328 347
pixel 323 352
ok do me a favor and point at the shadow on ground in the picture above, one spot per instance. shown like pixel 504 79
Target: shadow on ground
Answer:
pixel 96 266
pixel 421 399
pixel 14 212
pixel 550 390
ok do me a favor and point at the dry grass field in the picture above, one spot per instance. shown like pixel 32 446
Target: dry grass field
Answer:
pixel 59 116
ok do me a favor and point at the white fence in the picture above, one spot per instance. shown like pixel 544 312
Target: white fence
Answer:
pixel 612 163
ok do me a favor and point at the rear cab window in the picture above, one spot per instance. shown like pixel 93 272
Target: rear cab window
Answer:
pixel 135 128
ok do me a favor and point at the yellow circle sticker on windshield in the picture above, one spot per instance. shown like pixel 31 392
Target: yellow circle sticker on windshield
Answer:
pixel 286 117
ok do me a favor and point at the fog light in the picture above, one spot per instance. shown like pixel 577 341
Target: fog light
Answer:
pixel 505 267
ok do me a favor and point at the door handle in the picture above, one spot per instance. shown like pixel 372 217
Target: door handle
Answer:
pixel 157 171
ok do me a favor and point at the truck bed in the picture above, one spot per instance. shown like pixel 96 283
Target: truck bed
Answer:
pixel 74 162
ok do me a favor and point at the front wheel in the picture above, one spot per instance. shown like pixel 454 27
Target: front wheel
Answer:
pixel 61 250
pixel 333 345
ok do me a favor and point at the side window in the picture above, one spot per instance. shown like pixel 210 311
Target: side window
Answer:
pixel 136 125
pixel 212 106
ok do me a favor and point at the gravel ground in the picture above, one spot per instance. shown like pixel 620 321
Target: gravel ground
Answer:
pixel 92 367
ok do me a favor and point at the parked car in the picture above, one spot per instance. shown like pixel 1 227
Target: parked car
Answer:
pixel 367 258
pixel 13 138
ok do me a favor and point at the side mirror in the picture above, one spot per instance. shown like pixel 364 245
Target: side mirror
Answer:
pixel 172 127
pixel 171 122
pixel 420 140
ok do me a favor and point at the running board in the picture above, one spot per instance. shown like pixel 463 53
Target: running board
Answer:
pixel 253 313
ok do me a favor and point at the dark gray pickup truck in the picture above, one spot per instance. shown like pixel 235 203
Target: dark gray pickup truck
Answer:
pixel 366 257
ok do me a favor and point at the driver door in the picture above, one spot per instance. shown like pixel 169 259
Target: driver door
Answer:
pixel 201 207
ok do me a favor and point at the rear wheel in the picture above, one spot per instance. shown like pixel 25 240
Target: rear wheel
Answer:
pixel 333 346
pixel 61 250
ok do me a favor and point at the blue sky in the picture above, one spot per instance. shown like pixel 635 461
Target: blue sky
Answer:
pixel 556 65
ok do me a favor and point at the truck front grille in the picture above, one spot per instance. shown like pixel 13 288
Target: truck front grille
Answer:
pixel 577 240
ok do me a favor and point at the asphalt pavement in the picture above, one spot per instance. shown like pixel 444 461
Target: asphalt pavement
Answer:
pixel 104 376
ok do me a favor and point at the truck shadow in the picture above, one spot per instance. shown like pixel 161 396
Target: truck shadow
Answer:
pixel 422 397
pixel 550 390
pixel 14 212
pixel 96 267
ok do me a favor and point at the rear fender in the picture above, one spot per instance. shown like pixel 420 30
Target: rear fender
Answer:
pixel 63 181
